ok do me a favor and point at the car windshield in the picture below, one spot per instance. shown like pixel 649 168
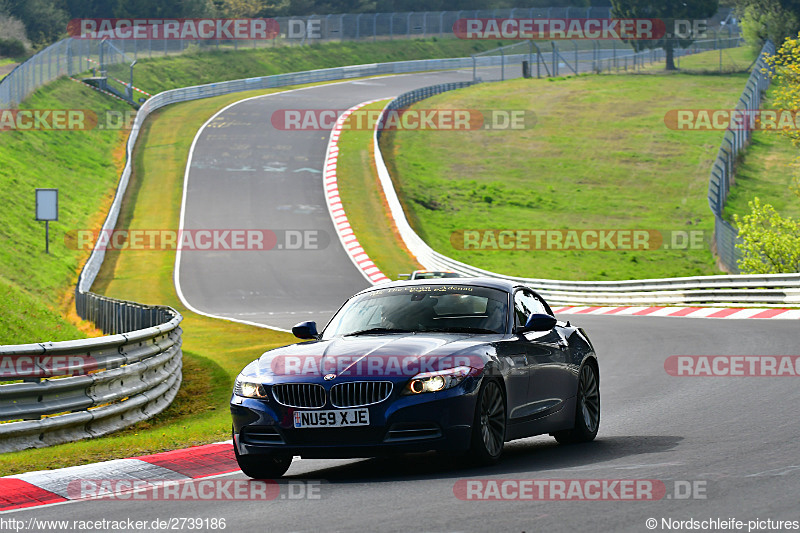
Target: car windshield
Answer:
pixel 434 275
pixel 420 308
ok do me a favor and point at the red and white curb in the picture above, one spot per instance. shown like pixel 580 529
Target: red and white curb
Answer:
pixel 112 95
pixel 689 312
pixel 348 239
pixel 126 84
pixel 47 487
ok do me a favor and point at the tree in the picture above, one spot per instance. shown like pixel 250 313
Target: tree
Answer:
pixel 45 20
pixel 770 242
pixel 769 19
pixel 786 82
pixel 668 11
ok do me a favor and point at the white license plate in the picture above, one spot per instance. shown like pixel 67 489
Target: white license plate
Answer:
pixel 331 419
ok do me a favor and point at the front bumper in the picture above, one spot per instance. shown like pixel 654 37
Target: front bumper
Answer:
pixel 402 423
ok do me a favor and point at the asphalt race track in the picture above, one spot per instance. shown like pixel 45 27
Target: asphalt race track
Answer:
pixel 733 440
pixel 246 174
pixel 736 439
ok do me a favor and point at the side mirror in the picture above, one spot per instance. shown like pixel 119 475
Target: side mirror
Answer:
pixel 539 322
pixel 305 330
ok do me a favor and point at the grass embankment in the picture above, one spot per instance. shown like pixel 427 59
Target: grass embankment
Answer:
pixel 213 350
pixel 7 64
pixel 726 61
pixel 168 72
pixel 85 167
pixel 767 168
pixel 365 204
pixel 599 157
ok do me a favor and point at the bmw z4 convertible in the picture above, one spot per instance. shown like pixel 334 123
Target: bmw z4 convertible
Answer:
pixel 458 365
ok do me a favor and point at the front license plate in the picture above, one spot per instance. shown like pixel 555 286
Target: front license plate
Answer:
pixel 331 419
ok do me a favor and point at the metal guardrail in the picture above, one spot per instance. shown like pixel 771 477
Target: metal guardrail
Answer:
pixel 726 237
pixel 70 56
pixel 770 290
pixel 85 388
pixel 136 372
pixel 107 383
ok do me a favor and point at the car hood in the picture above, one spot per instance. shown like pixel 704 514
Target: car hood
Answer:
pixel 391 354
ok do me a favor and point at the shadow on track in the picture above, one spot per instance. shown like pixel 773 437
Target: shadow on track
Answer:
pixel 524 456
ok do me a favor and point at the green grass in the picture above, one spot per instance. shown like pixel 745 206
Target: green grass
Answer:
pixel 35 289
pixel 167 72
pixel 214 350
pixel 599 157
pixel 731 59
pixel 6 61
pixel 767 169
pixel 28 318
pixel 365 204
pixel 85 167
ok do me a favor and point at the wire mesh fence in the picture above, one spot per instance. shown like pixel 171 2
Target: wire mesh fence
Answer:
pixel 74 56
pixel 558 58
pixel 726 236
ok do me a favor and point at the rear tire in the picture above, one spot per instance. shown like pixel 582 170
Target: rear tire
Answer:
pixel 587 409
pixel 489 425
pixel 262 466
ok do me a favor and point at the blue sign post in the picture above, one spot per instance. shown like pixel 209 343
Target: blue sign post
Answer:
pixel 47 210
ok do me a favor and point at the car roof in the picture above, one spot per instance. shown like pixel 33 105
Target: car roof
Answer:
pixel 492 283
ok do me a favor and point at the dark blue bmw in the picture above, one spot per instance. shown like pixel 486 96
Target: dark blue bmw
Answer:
pixel 460 365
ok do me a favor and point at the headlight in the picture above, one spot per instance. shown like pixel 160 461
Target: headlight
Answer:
pixel 437 381
pixel 249 389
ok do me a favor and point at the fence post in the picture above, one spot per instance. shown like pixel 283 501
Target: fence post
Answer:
pixel 474 68
pixel 577 64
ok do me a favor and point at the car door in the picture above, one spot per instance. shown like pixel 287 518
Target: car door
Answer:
pixel 550 379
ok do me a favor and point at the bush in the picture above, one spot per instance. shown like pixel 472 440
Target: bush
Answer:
pixel 11 48
pixel 771 243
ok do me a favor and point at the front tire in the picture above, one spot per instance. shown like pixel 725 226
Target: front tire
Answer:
pixel 587 409
pixel 489 425
pixel 262 466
